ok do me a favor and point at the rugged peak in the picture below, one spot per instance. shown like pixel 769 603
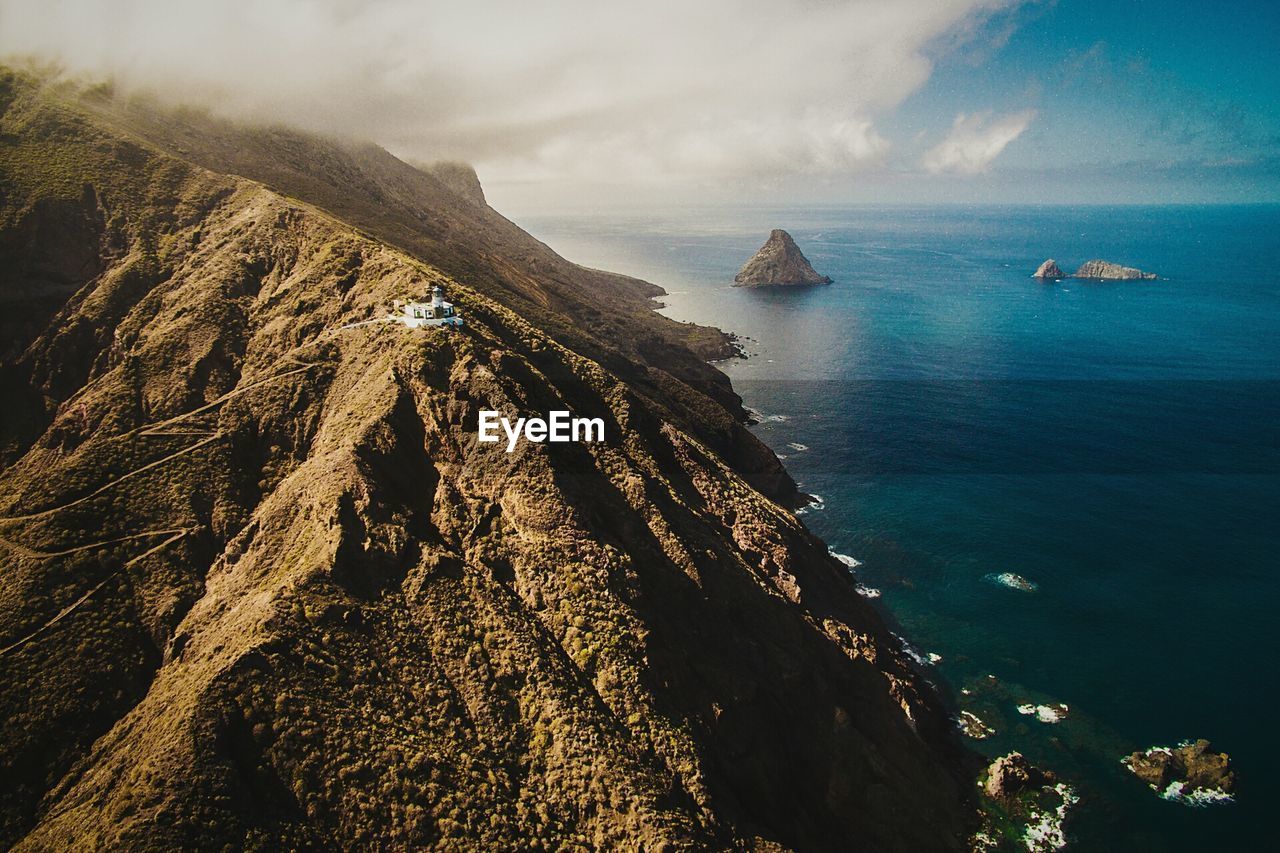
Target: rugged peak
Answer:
pixel 1108 270
pixel 779 261
pixel 1049 269
pixel 460 178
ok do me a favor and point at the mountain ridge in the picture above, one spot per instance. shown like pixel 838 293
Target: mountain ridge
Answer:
pixel 263 588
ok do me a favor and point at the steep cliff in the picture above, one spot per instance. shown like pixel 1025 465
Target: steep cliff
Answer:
pixel 261 586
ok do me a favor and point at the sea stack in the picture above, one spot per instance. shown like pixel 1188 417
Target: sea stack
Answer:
pixel 779 262
pixel 1049 269
pixel 1107 270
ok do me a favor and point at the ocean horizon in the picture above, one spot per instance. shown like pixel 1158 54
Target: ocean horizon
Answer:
pixel 1064 493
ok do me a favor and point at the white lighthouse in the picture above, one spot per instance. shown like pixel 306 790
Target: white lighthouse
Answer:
pixel 437 312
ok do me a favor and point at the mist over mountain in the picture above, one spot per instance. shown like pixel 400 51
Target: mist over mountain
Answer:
pixel 558 105
pixel 575 104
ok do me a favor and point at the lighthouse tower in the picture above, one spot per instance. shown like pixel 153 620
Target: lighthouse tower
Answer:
pixel 437 312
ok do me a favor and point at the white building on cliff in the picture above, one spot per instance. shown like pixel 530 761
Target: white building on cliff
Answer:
pixel 437 312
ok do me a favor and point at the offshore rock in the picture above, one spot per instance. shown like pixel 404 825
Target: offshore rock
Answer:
pixel 1106 270
pixel 1012 774
pixel 1191 767
pixel 778 262
pixel 1049 269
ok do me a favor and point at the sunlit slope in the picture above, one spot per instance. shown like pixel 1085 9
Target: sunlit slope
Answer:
pixel 262 587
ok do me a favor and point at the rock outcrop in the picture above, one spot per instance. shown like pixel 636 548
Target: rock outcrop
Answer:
pixel 1012 775
pixel 1049 269
pixel 1184 770
pixel 778 262
pixel 1097 269
pixel 1032 807
pixel 262 587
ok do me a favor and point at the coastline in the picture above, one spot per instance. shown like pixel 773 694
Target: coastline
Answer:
pixel 966 762
pixel 646 598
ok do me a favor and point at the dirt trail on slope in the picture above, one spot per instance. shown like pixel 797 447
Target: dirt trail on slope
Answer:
pixel 71 608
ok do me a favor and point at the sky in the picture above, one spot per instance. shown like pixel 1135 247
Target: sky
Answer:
pixel 564 103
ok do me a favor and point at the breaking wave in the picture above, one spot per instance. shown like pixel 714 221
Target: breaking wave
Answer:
pixel 1055 713
pixel 818 505
pixel 1012 581
pixel 851 562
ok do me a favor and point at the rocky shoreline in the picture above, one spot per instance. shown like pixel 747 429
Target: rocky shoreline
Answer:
pixel 1031 806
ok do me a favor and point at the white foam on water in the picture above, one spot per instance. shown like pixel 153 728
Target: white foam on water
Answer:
pixel 974 726
pixel 1045 828
pixel 775 419
pixel 1198 798
pixel 851 562
pixel 915 654
pixel 1012 581
pixel 818 505
pixel 1055 713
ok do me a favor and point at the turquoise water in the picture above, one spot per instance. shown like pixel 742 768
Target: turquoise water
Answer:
pixel 1116 444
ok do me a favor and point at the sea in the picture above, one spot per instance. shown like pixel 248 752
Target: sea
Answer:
pixel 1061 492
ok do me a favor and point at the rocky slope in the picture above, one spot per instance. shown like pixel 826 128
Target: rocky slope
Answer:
pixel 778 262
pixel 261 587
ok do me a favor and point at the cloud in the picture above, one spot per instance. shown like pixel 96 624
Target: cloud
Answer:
pixel 659 89
pixel 974 141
